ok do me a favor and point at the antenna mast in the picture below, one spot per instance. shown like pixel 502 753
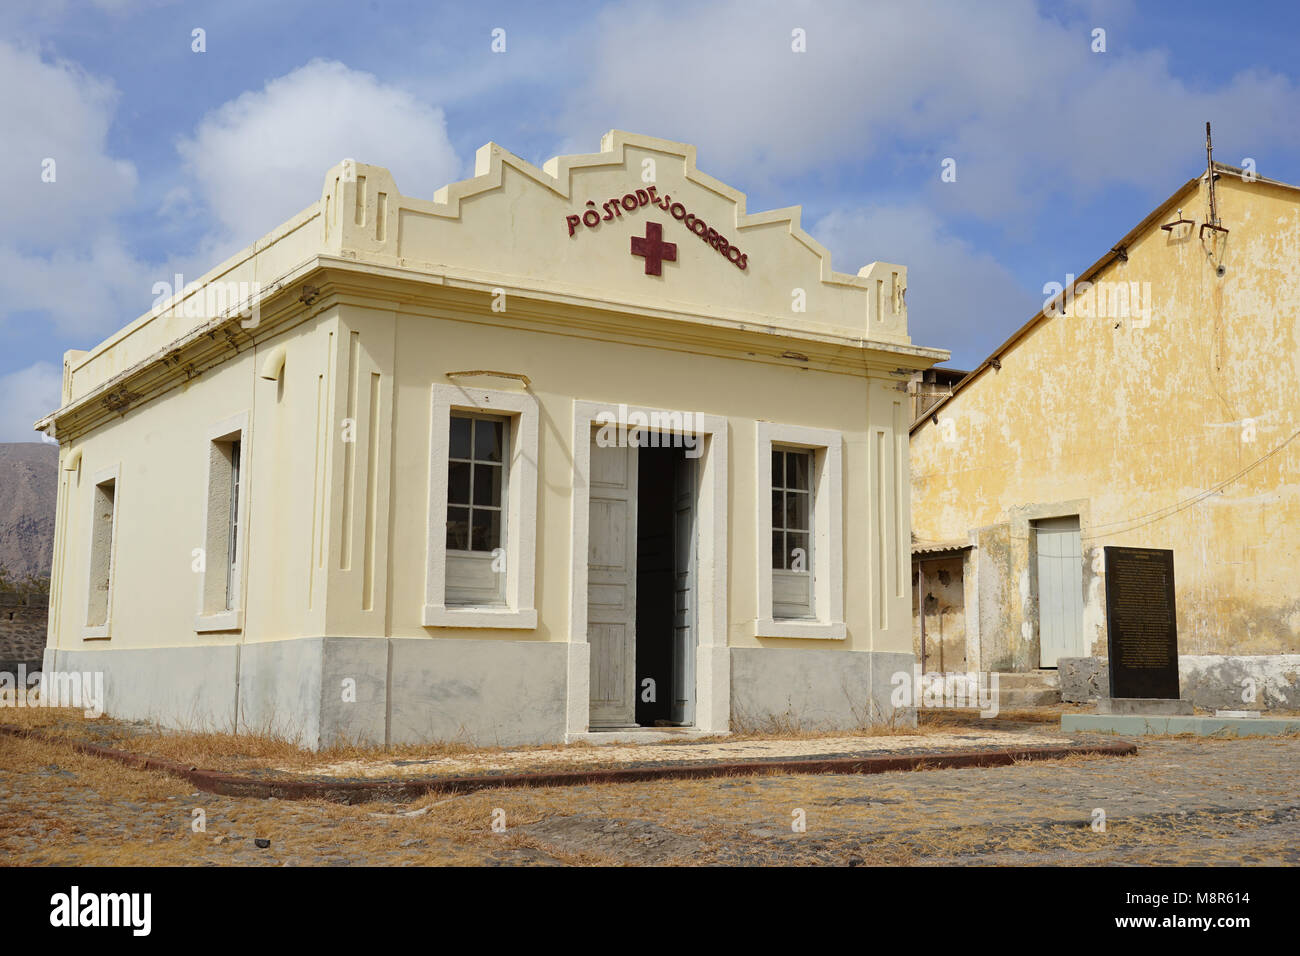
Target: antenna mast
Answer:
pixel 1209 170
pixel 1212 222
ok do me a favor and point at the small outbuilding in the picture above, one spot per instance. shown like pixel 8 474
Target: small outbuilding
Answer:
pixel 562 450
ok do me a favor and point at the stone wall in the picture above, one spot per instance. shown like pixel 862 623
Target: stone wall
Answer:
pixel 22 635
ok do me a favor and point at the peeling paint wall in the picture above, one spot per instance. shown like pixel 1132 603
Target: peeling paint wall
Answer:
pixel 1160 428
pixel 945 613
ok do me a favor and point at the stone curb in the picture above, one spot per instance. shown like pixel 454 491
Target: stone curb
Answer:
pixel 1141 725
pixel 363 791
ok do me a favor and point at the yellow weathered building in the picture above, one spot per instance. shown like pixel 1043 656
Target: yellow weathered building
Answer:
pixel 1154 402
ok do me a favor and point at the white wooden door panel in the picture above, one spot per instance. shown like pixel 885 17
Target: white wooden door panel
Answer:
pixel 684 591
pixel 611 586
pixel 1060 589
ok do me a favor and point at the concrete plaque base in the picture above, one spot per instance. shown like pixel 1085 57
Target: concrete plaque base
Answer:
pixel 1145 706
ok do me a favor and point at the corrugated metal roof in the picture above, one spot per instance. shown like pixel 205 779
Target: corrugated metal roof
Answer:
pixel 938 547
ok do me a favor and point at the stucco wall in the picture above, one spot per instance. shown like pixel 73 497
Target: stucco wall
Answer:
pixel 296 502
pixel 615 372
pixel 161 451
pixel 1129 425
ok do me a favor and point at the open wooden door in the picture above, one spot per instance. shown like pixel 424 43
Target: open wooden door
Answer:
pixel 611 586
pixel 684 590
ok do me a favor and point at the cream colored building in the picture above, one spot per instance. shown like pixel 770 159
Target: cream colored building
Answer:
pixel 1158 406
pixel 498 466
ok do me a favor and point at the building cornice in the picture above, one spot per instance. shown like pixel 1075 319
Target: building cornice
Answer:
pixel 323 282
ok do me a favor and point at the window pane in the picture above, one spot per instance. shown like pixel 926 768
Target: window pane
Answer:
pixel 487 440
pixel 458 483
pixel 234 504
pixel 796 469
pixel 487 530
pixel 459 436
pixel 778 550
pixel 796 510
pixel 778 510
pixel 796 549
pixel 487 484
pixel 778 469
pixel 458 529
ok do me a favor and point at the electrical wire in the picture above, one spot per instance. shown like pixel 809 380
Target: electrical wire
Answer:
pixel 1166 512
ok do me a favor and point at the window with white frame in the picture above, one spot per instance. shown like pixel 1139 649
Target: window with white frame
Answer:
pixel 477 458
pixel 792 539
pixel 800 526
pixel 233 555
pixel 221 590
pixel 103 528
pixel 482 509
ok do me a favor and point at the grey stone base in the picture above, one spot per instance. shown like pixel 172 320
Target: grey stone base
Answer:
pixel 1223 683
pixel 788 689
pixel 1144 706
pixel 1210 682
pixel 1132 726
pixel 1083 679
pixel 325 690
pixel 184 688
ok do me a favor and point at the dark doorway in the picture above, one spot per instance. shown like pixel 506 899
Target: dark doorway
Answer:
pixel 655 583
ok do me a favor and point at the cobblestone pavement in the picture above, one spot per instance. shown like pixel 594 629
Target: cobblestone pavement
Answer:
pixel 1179 801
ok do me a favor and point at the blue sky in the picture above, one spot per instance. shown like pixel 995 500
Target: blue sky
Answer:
pixel 169 160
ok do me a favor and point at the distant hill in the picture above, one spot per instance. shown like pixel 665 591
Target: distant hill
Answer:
pixel 29 475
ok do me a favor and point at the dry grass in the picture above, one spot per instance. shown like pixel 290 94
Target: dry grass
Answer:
pixel 67 805
pixel 1069 760
pixel 261 751
pixel 452 830
pixel 458 832
pixel 222 751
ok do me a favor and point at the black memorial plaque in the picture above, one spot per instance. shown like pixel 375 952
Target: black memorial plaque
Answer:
pixel 1141 628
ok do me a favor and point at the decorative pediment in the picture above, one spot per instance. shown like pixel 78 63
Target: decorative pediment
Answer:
pixel 636 225
pixel 635 228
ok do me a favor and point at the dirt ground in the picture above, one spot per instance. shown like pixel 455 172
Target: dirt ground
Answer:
pixel 1178 801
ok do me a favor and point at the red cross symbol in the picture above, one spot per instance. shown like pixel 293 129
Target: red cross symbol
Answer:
pixel 654 249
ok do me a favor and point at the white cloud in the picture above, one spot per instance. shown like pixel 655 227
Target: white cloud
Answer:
pixel 86 293
pixel 262 157
pixel 255 161
pixel 25 396
pixel 958 298
pixel 1013 93
pixel 60 248
pixel 57 111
